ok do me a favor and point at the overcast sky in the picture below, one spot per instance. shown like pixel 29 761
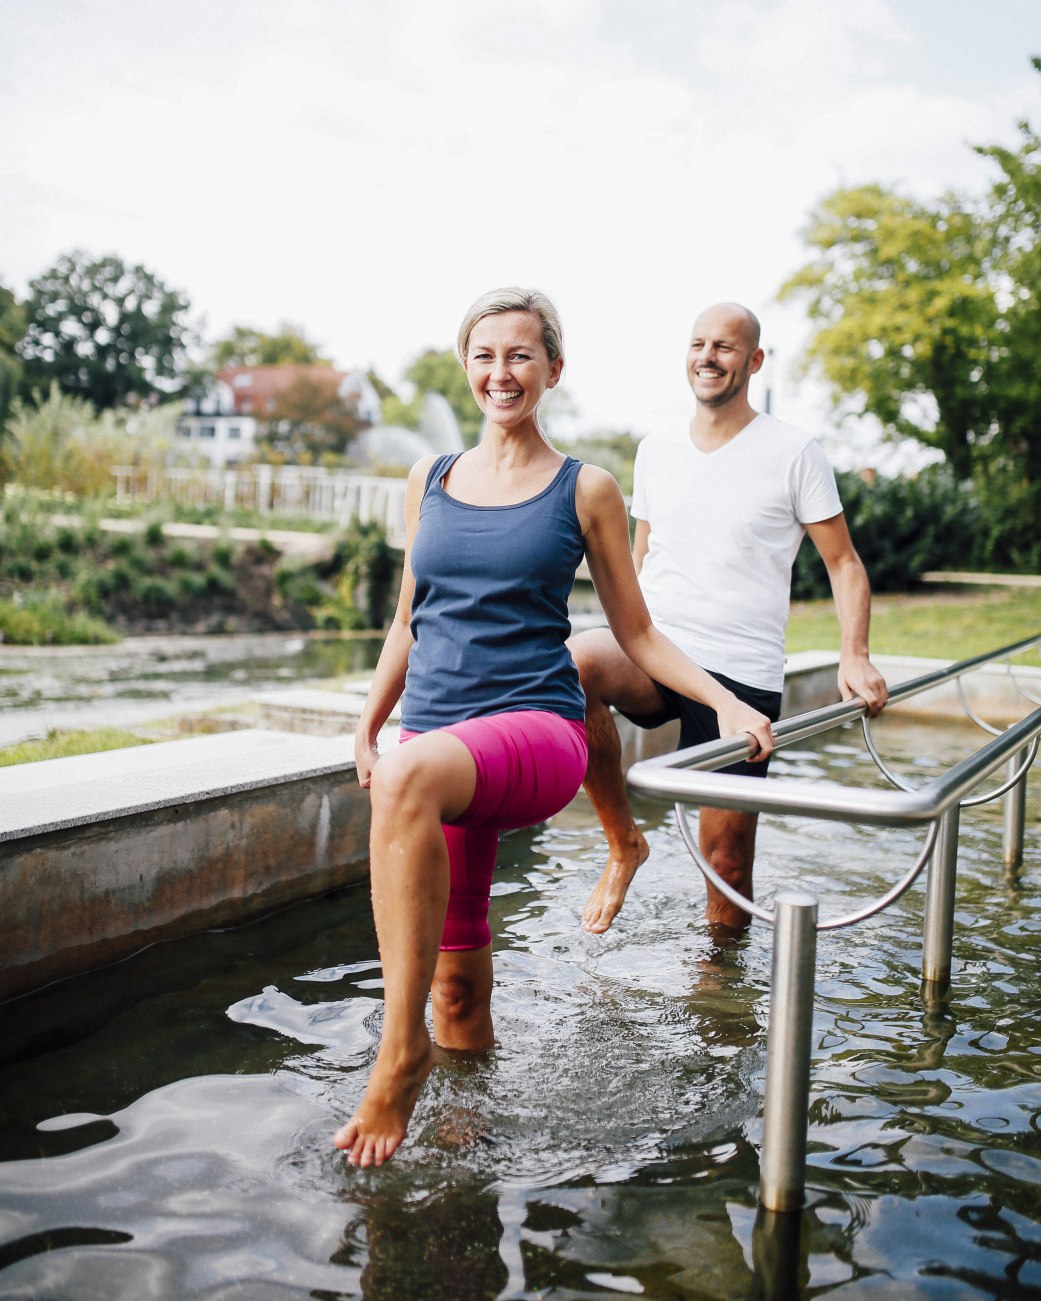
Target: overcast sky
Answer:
pixel 366 168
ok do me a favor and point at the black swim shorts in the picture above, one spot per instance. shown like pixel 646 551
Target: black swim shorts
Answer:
pixel 698 722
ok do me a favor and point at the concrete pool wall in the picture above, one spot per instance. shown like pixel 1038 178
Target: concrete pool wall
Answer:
pixel 103 854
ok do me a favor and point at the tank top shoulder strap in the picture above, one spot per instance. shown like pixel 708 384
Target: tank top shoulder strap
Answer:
pixel 569 477
pixel 440 468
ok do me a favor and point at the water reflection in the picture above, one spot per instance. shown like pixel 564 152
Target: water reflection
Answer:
pixel 165 1124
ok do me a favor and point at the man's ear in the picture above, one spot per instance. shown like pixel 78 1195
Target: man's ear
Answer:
pixel 756 361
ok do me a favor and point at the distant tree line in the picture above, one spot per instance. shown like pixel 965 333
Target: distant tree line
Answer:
pixel 102 332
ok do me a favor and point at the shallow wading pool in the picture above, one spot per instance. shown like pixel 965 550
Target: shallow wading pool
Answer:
pixel 166 1123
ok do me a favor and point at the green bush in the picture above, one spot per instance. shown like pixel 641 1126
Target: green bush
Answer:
pixel 191 584
pixel 179 557
pixel 219 580
pixel 222 554
pixel 156 595
pixel 42 620
pixel 901 528
pixel 154 536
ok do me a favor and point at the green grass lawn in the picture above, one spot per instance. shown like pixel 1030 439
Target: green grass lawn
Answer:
pixel 949 623
pixel 60 745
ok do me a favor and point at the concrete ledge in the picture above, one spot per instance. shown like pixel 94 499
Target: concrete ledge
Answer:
pixel 103 854
pixel 319 713
pixel 989 690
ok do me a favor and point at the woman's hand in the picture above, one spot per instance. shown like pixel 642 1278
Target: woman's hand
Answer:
pixel 735 717
pixel 366 755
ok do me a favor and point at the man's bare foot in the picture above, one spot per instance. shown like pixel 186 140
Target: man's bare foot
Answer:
pixel 609 893
pixel 375 1131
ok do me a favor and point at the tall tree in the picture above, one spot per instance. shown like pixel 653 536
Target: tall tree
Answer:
pixel 245 346
pixel 104 331
pixel 903 311
pixel 1015 232
pixel 927 316
pixel 12 327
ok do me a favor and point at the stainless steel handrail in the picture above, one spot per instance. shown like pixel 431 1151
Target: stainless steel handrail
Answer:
pixel 688 777
pixel 670 777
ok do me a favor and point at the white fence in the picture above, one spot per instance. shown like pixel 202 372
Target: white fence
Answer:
pixel 334 495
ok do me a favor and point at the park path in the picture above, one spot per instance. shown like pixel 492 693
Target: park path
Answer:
pixel 300 545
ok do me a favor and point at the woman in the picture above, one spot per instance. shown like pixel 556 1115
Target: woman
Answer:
pixel 493 715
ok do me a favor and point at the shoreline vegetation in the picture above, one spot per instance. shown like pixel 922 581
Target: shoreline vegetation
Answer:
pixel 66 579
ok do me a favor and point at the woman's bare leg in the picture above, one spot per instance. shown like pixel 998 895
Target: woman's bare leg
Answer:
pixel 462 998
pixel 414 789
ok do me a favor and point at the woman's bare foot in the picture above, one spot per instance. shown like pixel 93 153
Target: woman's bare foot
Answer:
pixel 375 1131
pixel 609 893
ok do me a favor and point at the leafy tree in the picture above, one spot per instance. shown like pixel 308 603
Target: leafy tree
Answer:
pixel 12 327
pixel 904 310
pixel 927 316
pixel 245 346
pixel 104 331
pixel 309 420
pixel 440 372
pixel 1013 227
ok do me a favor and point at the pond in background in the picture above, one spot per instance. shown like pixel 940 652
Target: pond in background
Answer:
pixel 147 678
pixel 166 1122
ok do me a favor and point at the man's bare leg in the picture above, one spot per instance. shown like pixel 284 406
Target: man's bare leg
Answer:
pixel 414 789
pixel 609 678
pixel 727 839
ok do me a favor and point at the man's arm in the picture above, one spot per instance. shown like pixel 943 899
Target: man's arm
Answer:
pixel 641 540
pixel 852 593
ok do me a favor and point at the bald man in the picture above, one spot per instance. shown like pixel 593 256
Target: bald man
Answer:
pixel 720 515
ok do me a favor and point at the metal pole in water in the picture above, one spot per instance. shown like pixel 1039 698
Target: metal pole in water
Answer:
pixel 1015 814
pixel 782 1168
pixel 938 926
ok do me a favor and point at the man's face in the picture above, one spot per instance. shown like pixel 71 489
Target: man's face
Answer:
pixel 721 359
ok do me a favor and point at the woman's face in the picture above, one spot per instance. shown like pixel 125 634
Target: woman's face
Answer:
pixel 507 366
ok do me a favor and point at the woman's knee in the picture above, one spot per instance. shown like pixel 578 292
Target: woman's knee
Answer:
pixel 398 783
pixel 458 996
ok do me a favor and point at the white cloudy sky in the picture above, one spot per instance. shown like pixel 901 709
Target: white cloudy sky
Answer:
pixel 366 168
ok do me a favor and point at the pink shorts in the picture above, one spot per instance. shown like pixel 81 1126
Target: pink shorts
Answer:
pixel 530 764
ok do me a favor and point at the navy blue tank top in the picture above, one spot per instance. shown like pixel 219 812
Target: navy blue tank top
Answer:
pixel 489 615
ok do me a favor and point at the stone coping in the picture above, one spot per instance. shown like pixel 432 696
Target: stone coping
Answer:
pixel 58 794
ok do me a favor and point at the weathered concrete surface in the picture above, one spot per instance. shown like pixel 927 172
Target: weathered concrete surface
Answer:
pixel 103 854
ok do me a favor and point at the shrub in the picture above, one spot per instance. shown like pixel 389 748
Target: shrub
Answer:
pixel 222 554
pixel 154 536
pixel 901 528
pixel 42 620
pixel 179 557
pixel 219 580
pixel 156 595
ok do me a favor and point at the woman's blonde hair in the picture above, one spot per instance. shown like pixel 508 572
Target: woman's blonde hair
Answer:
pixel 513 299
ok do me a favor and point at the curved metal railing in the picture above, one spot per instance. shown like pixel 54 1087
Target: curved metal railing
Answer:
pixel 688 777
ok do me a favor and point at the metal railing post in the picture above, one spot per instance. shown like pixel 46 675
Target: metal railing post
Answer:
pixel 1014 814
pixel 938 925
pixel 788 1041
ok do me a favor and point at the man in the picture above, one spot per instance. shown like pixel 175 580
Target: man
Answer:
pixel 719 519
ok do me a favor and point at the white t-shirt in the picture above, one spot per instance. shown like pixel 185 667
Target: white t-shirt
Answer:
pixel 725 527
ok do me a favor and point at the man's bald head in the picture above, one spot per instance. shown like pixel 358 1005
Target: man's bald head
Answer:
pixel 724 354
pixel 739 315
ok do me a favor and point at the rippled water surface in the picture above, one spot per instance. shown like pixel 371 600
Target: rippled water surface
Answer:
pixel 165 1123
